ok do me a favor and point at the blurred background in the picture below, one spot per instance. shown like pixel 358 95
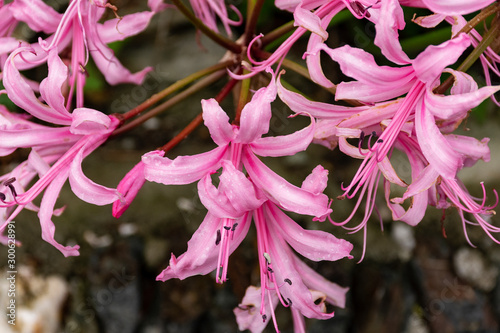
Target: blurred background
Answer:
pixel 414 280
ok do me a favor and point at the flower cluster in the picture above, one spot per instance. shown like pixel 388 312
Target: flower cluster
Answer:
pixel 406 106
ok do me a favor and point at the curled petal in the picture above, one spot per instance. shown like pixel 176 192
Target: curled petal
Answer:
pixel 86 189
pixel 20 92
pixel 182 169
pixel 47 210
pixel 433 144
pixel 387 38
pixel 89 121
pixel 129 186
pixel 430 63
pixel 51 86
pixel 457 106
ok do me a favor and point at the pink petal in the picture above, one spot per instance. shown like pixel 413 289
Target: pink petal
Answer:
pixel 315 245
pixel 46 211
pixel 86 189
pixel 433 144
pixel 89 121
pixel 202 252
pixel 51 86
pixel 129 186
pixel 286 195
pixel 286 144
pixel 29 138
pixel 335 294
pixel 313 59
pixel 470 148
pixel 298 293
pixel 430 63
pixel 375 83
pixel 235 196
pixel 256 114
pixel 23 96
pixel 182 169
pixel 316 181
pixel 247 312
pixel 456 7
pixel 217 122
pixel 238 189
pixel 310 21
pixel 121 28
pixel 387 38
pixel 299 104
pixel 36 14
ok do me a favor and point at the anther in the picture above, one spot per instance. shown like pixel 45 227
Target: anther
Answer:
pixel 267 257
pixel 264 318
pixel 9 181
pixel 270 269
pixel 289 301
pixel 359 9
pixel 287 280
pixel 2 197
pixel 218 239
pixel 234 226
pixel 227 227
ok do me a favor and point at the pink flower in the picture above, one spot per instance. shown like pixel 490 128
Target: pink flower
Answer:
pixel 79 26
pixel 260 194
pixel 239 145
pixel 63 147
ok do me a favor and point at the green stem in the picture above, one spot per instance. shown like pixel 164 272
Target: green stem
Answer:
pixel 480 17
pixel 254 8
pixel 205 82
pixel 173 88
pixel 243 98
pixel 225 42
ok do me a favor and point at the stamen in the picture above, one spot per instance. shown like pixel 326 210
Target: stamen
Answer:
pixel 9 181
pixel 359 9
pixel 267 257
pixel 218 238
